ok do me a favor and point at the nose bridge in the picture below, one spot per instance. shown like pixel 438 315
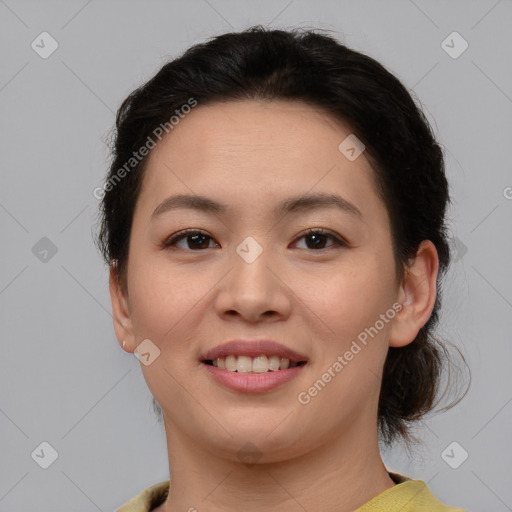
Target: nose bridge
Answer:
pixel 250 261
pixel 251 288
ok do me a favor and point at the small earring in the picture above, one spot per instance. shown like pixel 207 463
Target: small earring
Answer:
pixel 124 344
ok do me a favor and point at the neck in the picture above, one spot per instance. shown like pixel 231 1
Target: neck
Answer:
pixel 339 475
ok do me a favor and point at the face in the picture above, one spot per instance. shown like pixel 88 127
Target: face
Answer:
pixel 247 269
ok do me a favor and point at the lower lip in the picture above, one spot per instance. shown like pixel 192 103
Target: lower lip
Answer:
pixel 253 382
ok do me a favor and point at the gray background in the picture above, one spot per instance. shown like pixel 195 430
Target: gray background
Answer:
pixel 63 377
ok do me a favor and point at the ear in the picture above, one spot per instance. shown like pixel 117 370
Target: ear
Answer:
pixel 417 295
pixel 121 313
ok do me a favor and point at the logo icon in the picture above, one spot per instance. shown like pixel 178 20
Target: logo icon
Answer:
pixel 44 250
pixel 249 454
pixel 249 250
pixel 44 45
pixel 454 455
pixel 458 249
pixel 45 455
pixel 146 352
pixel 351 147
pixel 454 45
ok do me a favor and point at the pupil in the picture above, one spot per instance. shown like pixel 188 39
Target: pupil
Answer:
pixel 195 238
pixel 318 241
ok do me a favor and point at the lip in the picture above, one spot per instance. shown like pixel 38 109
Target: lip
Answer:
pixel 253 382
pixel 253 349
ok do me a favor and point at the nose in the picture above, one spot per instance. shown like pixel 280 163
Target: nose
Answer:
pixel 254 291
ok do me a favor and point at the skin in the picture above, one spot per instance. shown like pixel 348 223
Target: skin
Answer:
pixel 251 155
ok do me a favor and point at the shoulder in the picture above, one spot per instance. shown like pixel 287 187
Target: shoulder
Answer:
pixel 148 499
pixel 406 496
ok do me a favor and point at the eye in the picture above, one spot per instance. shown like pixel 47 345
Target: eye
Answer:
pixel 318 236
pixel 198 240
pixel 193 238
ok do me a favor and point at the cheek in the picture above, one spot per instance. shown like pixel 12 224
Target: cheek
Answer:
pixel 162 300
pixel 166 308
pixel 350 342
pixel 350 298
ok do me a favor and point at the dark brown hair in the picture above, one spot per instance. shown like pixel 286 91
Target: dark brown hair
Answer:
pixel 307 66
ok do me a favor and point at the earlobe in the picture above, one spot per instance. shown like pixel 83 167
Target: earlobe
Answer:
pixel 417 295
pixel 121 312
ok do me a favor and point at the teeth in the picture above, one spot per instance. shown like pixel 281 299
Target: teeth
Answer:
pixel 246 364
pixel 273 363
pixel 230 363
pixel 260 364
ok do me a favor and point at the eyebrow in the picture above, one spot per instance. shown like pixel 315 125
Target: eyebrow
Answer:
pixel 293 204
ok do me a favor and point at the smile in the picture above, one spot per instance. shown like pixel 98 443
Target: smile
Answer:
pixel 252 366
pixel 253 374
pixel 259 364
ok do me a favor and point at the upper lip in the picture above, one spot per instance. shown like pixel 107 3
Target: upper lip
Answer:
pixel 253 349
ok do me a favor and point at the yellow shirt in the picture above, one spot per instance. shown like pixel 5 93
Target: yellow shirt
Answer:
pixel 407 496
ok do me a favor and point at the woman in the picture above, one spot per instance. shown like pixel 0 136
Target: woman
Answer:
pixel 274 222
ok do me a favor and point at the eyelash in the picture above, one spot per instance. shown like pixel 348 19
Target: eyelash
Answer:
pixel 171 241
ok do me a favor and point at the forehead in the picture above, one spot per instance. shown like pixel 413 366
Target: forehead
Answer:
pixel 255 125
pixel 252 151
